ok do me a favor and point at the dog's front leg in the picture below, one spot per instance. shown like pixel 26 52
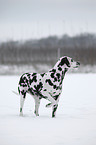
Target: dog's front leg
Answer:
pixel 22 99
pixel 37 104
pixel 54 109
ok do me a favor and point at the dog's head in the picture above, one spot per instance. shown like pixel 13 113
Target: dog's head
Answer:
pixel 68 62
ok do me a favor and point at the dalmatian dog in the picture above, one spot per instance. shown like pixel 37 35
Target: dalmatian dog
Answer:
pixel 45 85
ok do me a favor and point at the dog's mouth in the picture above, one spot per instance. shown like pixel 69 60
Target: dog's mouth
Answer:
pixel 77 65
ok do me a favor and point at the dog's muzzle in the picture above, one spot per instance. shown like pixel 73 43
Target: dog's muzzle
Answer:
pixel 78 63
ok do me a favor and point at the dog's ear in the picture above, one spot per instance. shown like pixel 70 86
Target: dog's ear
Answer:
pixel 64 61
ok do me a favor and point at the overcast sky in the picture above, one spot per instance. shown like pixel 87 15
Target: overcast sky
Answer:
pixel 26 19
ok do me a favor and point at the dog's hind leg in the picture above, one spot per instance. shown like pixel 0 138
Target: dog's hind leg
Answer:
pixel 54 109
pixel 22 99
pixel 37 104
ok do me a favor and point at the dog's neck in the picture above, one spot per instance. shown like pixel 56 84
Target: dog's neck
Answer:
pixel 62 75
pixel 61 72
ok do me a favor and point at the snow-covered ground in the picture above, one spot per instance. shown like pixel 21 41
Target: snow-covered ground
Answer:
pixel 75 123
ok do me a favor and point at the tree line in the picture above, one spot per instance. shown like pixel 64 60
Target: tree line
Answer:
pixel 47 50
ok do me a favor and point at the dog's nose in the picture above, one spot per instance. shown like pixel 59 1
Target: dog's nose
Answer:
pixel 78 63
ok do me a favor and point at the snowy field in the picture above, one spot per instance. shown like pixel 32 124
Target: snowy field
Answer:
pixel 75 123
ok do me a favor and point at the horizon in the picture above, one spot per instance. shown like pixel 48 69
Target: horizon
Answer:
pixel 46 37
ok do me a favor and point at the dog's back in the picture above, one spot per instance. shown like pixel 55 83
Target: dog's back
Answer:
pixel 40 84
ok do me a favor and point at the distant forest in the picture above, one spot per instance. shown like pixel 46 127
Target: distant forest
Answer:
pixel 47 50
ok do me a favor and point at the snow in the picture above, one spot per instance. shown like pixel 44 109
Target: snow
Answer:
pixel 75 123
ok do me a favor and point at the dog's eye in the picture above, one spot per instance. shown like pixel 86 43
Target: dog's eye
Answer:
pixel 71 60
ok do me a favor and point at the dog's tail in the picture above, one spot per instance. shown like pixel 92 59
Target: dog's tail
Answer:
pixel 15 93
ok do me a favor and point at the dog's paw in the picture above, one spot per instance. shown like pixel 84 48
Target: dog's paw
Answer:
pixel 49 105
pixel 21 114
pixel 53 116
pixel 36 113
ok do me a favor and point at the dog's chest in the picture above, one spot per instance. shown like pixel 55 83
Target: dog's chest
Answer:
pixel 50 85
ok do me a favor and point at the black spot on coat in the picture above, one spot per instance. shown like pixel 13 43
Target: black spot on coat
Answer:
pixel 49 82
pixel 59 68
pixel 34 74
pixel 34 79
pixel 64 61
pixel 38 88
pixel 45 89
pixel 43 74
pixel 58 75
